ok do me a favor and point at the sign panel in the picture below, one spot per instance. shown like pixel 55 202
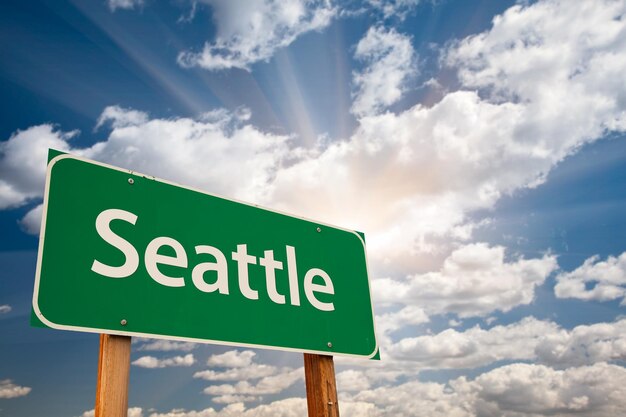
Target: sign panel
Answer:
pixel 128 254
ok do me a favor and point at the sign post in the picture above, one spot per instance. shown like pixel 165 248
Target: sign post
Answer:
pixel 113 374
pixel 321 387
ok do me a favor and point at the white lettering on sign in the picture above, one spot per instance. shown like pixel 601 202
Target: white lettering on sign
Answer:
pixel 152 260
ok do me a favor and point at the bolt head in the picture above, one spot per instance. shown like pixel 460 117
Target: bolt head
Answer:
pixel 319 229
pixel 123 322
pixel 330 344
pixel 131 181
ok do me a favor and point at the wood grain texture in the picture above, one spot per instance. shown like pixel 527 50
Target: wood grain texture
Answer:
pixel 321 388
pixel 113 372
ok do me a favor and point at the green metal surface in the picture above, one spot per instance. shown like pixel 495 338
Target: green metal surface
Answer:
pixel 69 295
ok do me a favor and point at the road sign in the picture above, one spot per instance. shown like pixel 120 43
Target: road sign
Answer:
pixel 128 254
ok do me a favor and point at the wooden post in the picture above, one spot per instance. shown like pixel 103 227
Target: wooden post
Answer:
pixel 113 371
pixel 321 389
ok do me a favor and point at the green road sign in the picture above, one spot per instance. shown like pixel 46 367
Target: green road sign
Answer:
pixel 128 254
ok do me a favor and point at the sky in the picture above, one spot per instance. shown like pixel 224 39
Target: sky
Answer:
pixel 480 146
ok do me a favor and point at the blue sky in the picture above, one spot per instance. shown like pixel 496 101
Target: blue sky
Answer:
pixel 479 145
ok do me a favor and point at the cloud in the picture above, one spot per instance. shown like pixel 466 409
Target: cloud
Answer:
pixel 252 371
pixel 163 345
pixel 394 8
pixel 473 347
pixel 23 162
pixel 177 149
pixel 267 385
pixel 271 379
pixel 152 362
pixel 390 64
pixel 352 380
pixel 121 117
pixel 290 407
pixel 538 390
pixel 474 280
pixel 9 390
pixel 232 359
pixel 594 280
pixel 251 31
pixel 530 339
pixel 5 308
pixel 31 222
pixel 124 4
pixel 583 345
pixel 514 390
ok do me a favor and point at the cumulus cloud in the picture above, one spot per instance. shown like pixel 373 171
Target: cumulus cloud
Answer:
pixel 594 280
pixel 473 281
pixel 240 367
pixel 514 390
pixel 474 347
pixel 290 407
pixel 252 371
pixel 31 222
pixel 390 64
pixel 23 162
pixel 5 308
pixel 232 359
pixel 539 390
pixel 152 362
pixel 352 380
pixel 120 117
pixel 163 345
pixel 9 390
pixel 530 339
pixel 176 149
pixel 251 31
pixel 267 385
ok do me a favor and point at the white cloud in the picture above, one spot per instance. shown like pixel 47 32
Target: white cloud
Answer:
pixel 594 280
pixel 583 345
pixel 268 385
pixel 473 347
pixel 290 407
pixel 352 380
pixel 31 222
pixel 251 31
pixel 232 359
pixel 23 162
pixel 121 117
pixel 530 339
pixel 251 371
pixel 9 390
pixel 175 149
pixel 152 362
pixel 163 345
pixel 5 308
pixel 474 280
pixel 596 390
pixel 390 64
pixel 124 4
pixel 515 390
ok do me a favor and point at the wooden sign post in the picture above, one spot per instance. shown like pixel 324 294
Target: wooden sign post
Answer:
pixel 321 388
pixel 113 372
